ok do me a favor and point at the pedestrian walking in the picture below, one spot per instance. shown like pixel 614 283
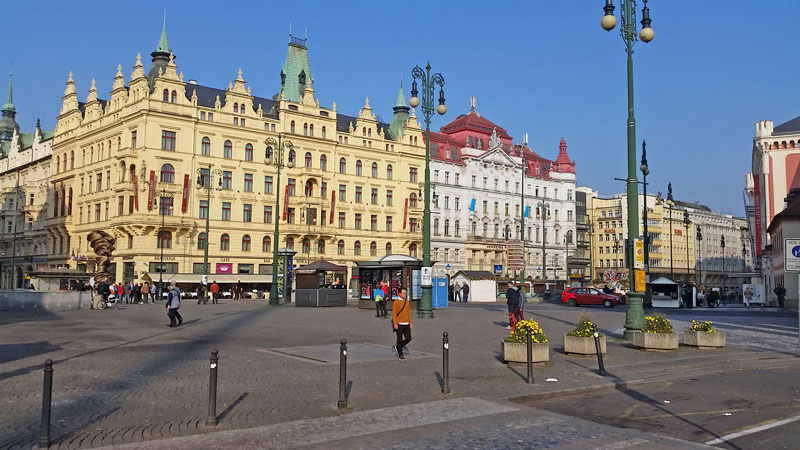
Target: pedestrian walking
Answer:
pixel 521 290
pixel 146 292
pixel 137 293
pixel 465 293
pixel 173 304
pixel 201 294
pixel 379 300
pixel 457 292
pixel 120 292
pixel 512 301
pixel 214 293
pixel 401 321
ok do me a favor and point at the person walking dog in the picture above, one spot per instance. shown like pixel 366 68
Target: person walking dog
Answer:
pixel 401 320
pixel 173 303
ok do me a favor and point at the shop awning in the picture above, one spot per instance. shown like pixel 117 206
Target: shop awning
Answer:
pixel 219 278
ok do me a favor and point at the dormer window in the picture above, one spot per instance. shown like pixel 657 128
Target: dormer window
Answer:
pixel 302 77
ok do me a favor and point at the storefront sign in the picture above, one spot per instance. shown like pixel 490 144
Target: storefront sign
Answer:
pixel 151 191
pixel 224 267
pixel 185 202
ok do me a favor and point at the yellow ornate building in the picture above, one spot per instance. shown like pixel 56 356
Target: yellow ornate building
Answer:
pixel 159 135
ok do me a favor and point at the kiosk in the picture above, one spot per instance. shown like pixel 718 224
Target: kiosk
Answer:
pixel 320 284
pixel 664 293
pixel 397 270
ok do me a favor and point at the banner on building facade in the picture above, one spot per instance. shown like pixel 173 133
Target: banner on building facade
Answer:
pixel 405 214
pixel 185 203
pixel 151 190
pixel 286 202
pixel 135 190
pixel 333 204
pixel 224 267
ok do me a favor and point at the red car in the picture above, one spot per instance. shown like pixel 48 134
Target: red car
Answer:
pixel 588 296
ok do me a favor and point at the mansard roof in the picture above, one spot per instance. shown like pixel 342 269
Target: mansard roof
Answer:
pixel 474 121
pixel 441 142
pixel 792 126
pixel 207 98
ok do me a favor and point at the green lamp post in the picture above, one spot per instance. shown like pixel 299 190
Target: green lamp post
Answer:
pixel 634 317
pixel 275 153
pixel 204 181
pixel 429 82
pixel 543 211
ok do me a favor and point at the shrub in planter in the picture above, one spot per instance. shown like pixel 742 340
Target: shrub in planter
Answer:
pixel 656 334
pixel 580 340
pixel 703 335
pixel 515 346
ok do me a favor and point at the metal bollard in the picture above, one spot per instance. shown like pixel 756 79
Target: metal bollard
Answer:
pixel 530 357
pixel 601 369
pixel 211 420
pixel 342 375
pixel 47 395
pixel 445 363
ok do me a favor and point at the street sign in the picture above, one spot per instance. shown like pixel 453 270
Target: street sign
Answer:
pixel 514 254
pixel 539 268
pixel 640 281
pixel 639 254
pixel 447 266
pixel 427 278
pixel 791 255
pixel 498 269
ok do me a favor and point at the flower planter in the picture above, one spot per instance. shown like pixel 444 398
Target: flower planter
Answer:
pixel 517 352
pixel 655 341
pixel 583 345
pixel 704 339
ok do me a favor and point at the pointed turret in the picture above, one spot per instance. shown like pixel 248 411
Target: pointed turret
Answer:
pixel 400 116
pixel 562 161
pixel 296 72
pixel 8 123
pixel 161 56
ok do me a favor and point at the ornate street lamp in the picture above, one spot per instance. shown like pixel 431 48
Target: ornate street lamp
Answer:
pixel 163 207
pixel 543 211
pixel 686 223
pixel 634 316
pixel 429 82
pixel 699 236
pixel 722 244
pixel 645 172
pixel 274 156
pixel 671 204
pixel 205 179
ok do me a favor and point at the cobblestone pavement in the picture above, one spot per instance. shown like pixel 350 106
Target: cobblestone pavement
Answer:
pixel 123 376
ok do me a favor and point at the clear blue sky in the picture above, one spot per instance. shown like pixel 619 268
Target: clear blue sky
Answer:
pixel 541 67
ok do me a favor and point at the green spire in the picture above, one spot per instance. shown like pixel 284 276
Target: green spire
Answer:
pixel 401 99
pixel 163 43
pixel 9 105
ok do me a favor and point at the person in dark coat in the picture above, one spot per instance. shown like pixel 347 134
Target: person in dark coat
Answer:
pixel 173 303
pixel 512 300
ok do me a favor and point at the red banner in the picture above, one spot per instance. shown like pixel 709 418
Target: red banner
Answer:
pixel 151 191
pixel 405 214
pixel 757 207
pixel 286 202
pixel 185 203
pixel 333 205
pixel 135 190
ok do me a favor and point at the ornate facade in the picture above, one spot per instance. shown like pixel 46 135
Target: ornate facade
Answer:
pixel 158 135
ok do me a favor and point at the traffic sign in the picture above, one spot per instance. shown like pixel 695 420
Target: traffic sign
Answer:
pixel 791 255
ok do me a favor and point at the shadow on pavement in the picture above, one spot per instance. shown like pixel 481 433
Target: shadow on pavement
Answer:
pixel 12 352
pixel 231 406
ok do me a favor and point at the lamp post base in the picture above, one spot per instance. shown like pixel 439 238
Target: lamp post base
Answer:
pixel 425 309
pixel 634 315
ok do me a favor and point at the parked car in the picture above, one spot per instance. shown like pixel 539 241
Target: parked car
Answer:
pixel 588 296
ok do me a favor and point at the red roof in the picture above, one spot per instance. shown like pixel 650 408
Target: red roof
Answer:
pixel 473 121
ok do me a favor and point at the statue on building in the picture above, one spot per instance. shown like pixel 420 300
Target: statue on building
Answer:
pixel 494 141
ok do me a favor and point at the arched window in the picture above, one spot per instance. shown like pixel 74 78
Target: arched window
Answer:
pixel 55 203
pixel 236 108
pixel 164 239
pixel 248 152
pixel 290 243
pixel 340 247
pixel 309 189
pixel 72 159
pixel 388 248
pixel 174 97
pixel 305 129
pixel 308 160
pixel 292 156
pixel 201 241
pixel 58 164
pixel 306 246
pixel 342 165
pixel 227 150
pixel 205 147
pixel 64 202
pixel 436 227
pixel 166 95
pixel 321 246
pixel 447 227
pixel 266 244
pixel 291 127
pixel 69 203
pixel 455 231
pixel 225 242
pixel 412 200
pixel 358 167
pixel 364 131
pixel 412 250
pixel 357 248
pixel 246 243
pixel 389 172
pixel 374 170
pixel 167 173
pixel 269 152
pixel 369 132
pixel 323 162
pixel 373 248
pixel 311 130
pixel 323 132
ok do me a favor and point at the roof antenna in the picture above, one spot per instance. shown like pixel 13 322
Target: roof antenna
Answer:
pixel 165 17
pixel 290 29
pixel 305 32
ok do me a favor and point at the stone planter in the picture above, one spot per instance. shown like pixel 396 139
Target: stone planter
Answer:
pixel 517 352
pixel 704 339
pixel 655 341
pixel 583 345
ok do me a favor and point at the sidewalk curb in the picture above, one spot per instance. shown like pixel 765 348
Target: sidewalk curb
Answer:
pixel 619 385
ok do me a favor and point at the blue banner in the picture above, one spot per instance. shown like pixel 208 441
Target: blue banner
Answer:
pixel 472 205
pixel 527 211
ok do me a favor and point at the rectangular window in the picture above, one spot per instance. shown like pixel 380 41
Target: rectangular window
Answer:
pixel 248 152
pixel 323 190
pixel 569 216
pixel 248 182
pixel 247 213
pixel 133 139
pixel 242 123
pixel 203 209
pixel 268 185
pixel 341 220
pixel 226 210
pixel 106 216
pixel 165 206
pixel 342 193
pixel 373 222
pixel 227 180
pixel 389 198
pixel 412 225
pixel 373 197
pixel 210 117
pixel 130 204
pixel 97 212
pixel 99 182
pixel 446 202
pixel 456 200
pixel 358 221
pixel 168 140
pixel 268 214
pixel 245 268
pixel 202 115
pixel 358 194
pixel 388 223
pixel 412 174
pixel 290 215
pixel 121 205
pixel 292 184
